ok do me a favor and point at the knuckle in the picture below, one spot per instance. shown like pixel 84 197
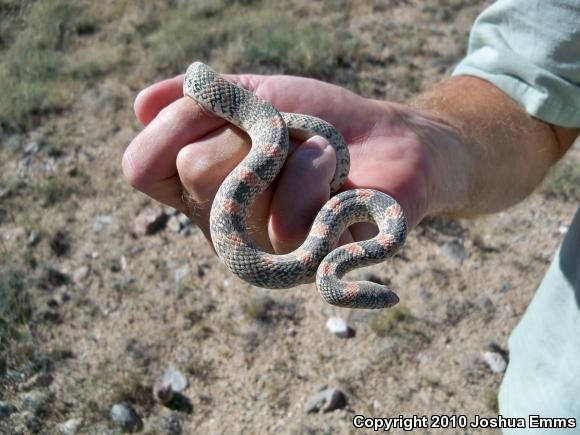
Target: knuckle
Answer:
pixel 133 173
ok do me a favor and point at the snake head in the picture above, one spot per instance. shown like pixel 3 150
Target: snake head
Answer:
pixel 198 78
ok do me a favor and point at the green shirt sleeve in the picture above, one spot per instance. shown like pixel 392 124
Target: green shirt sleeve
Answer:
pixel 531 50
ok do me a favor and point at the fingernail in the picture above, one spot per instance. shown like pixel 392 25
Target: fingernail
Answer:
pixel 321 144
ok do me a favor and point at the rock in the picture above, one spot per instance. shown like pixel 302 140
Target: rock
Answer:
pixel 338 327
pixel 170 211
pixel 187 231
pixel 326 401
pixel 422 358
pixel 454 250
pixel 149 221
pixel 56 278
pixel 80 274
pixel 164 425
pixel 175 379
pixel 60 243
pixel 505 287
pixel 173 224
pixel 181 274
pixel 102 221
pixel 125 417
pixel 70 427
pixel 163 393
pixel 36 402
pixel 31 148
pixel 184 220
pixel 488 307
pixel 33 238
pixel 201 267
pixel 6 409
pixel 495 361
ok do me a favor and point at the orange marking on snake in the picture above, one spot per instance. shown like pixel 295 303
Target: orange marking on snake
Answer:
pixel 334 203
pixel 364 195
pixel 354 249
pixel 276 123
pixel 236 239
pixel 350 293
pixel 268 262
pixel 249 177
pixel 327 269
pixel 319 230
pixel 305 257
pixel 394 211
pixel 271 150
pixel 385 240
pixel 231 206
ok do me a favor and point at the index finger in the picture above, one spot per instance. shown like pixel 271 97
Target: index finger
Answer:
pixel 173 121
pixel 151 100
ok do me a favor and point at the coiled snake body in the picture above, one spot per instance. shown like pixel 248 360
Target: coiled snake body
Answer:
pixel 268 130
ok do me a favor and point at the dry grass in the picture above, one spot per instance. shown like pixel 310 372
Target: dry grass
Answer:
pixel 35 67
pixel 50 52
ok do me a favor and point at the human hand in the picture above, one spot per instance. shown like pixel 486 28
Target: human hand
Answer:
pixel 184 153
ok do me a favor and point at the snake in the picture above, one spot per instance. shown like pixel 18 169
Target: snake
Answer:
pixel 318 258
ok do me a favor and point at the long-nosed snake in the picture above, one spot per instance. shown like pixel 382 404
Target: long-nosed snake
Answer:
pixel 268 130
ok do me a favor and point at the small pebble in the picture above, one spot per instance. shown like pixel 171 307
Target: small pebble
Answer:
pixel 184 220
pixel 338 327
pixel 181 275
pixel 326 401
pixel 185 231
pixel 163 393
pixel 102 221
pixel 495 361
pixel 70 427
pixel 173 224
pixel 170 211
pixel 33 238
pixel 80 274
pixel 422 358
pixel 454 250
pixel 6 409
pixel 149 221
pixel 36 402
pixel 175 379
pixel 31 148
pixel 125 417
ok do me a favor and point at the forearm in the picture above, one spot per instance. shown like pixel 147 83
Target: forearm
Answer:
pixel 502 153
